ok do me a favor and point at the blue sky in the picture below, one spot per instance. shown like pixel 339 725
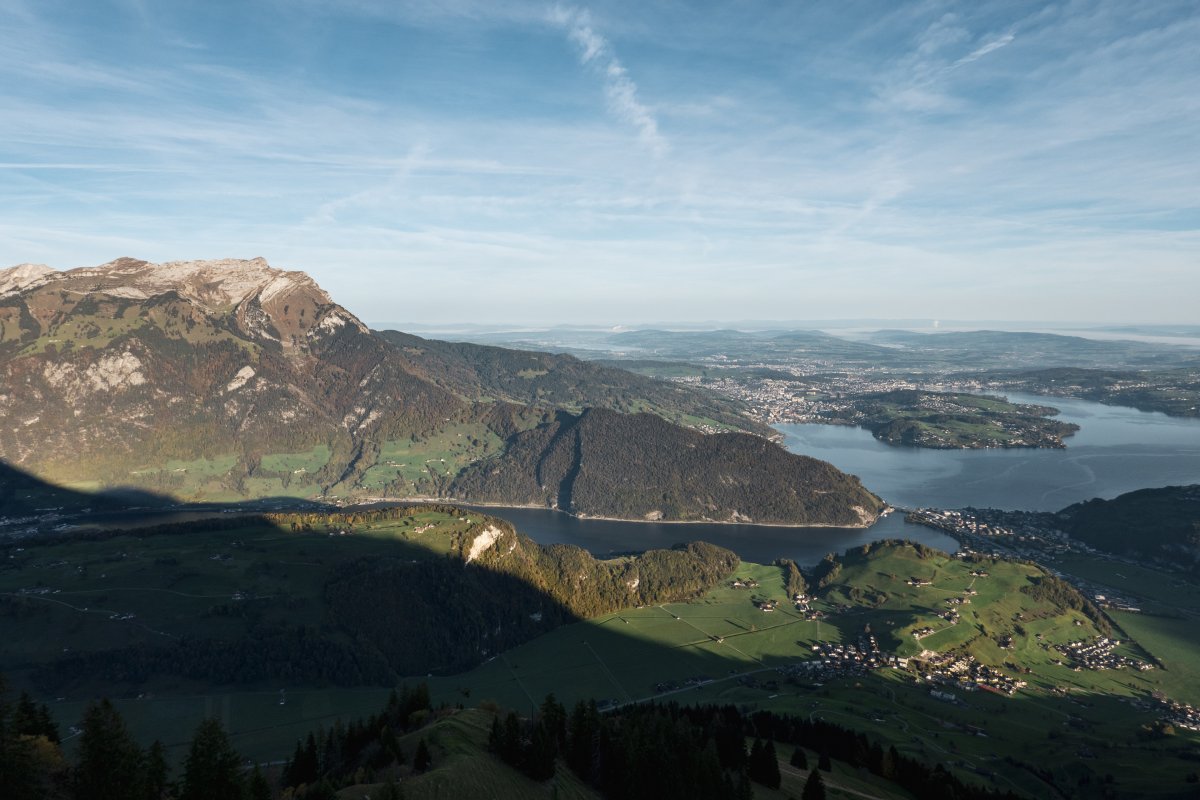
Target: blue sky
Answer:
pixel 622 162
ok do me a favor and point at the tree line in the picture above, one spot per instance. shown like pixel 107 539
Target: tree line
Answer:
pixel 109 764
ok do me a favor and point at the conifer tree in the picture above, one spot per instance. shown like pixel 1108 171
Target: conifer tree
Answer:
pixel 799 758
pixel 510 743
pixel 496 737
pixel 212 770
pixel 584 731
pixel 554 717
pixel 109 761
pixel 543 750
pixel 155 772
pixel 33 719
pixel 423 759
pixel 16 758
pixel 769 769
pixel 814 787
pixel 257 787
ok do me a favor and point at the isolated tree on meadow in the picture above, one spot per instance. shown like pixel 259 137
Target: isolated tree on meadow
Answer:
pixel 799 758
pixel 814 787
pixel 423 759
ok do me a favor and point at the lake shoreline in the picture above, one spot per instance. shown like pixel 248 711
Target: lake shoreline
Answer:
pixel 588 517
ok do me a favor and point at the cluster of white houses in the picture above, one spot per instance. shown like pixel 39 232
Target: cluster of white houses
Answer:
pixel 965 672
pixel 1181 715
pixel 838 659
pixel 1099 653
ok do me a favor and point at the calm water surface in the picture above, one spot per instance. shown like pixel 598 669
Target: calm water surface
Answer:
pixel 1116 450
pixel 759 543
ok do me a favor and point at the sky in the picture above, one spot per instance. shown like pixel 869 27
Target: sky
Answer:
pixel 622 162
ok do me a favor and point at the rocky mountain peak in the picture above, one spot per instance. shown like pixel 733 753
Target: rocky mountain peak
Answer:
pixel 216 284
pixel 14 279
pixel 276 304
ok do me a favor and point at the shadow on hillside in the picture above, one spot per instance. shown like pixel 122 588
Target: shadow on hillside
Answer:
pixel 23 494
pixel 388 611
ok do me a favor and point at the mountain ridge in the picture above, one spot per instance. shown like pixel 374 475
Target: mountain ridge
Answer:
pixel 231 379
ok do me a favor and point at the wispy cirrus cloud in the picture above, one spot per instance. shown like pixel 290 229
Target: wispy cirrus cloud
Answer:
pixel 622 93
pixel 985 48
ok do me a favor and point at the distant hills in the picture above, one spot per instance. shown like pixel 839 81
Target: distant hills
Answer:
pixel 1152 523
pixel 225 380
pixel 968 351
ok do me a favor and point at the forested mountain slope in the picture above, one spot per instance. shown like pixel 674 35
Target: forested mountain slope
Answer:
pixel 225 380
pixel 638 466
pixel 1156 523
pixel 524 377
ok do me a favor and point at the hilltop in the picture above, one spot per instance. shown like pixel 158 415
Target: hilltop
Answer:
pixel 231 379
pixel 1152 523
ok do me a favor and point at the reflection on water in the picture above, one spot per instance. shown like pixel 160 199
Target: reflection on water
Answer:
pixel 759 543
pixel 1116 450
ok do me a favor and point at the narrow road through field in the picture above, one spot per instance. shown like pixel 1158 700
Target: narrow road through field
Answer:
pixel 107 612
pixel 607 671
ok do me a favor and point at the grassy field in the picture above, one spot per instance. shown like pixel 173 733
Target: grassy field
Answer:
pixel 437 456
pixel 306 462
pixel 718 648
pixel 652 652
pixel 1163 591
pixel 79 594
pixel 462 767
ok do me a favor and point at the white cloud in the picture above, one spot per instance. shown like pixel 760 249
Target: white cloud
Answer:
pixel 619 88
pixel 984 49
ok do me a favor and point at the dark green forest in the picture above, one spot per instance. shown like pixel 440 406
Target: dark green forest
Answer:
pixel 638 466
pixel 1162 524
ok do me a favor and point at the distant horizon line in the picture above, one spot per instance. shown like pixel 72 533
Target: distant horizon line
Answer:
pixel 1012 326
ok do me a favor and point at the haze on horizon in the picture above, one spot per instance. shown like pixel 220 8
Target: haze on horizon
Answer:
pixel 616 162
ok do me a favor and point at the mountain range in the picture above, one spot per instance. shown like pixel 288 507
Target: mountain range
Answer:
pixel 230 379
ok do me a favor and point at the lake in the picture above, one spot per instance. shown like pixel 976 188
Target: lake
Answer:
pixel 1116 450
pixel 759 543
